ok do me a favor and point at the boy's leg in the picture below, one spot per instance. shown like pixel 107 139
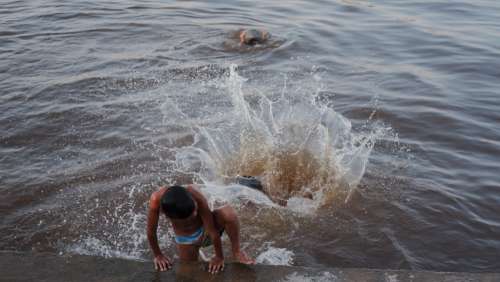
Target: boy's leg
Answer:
pixel 226 218
pixel 188 252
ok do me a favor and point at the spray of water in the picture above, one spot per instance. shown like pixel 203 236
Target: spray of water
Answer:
pixel 302 150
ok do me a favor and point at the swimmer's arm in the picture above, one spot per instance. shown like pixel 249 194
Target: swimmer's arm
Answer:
pixel 208 220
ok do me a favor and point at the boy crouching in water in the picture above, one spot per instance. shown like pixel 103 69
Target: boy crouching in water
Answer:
pixel 195 226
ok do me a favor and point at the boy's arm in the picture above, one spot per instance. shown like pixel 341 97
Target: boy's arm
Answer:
pixel 205 213
pixel 161 262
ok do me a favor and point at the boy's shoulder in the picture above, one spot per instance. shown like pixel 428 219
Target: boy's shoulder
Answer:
pixel 194 191
pixel 155 198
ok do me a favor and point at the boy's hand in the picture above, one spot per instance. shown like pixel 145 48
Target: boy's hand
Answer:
pixel 162 263
pixel 215 265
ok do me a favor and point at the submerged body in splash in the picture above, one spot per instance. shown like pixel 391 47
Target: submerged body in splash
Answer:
pixel 255 183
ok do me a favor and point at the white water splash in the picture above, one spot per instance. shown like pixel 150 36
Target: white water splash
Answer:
pixel 297 145
pixel 275 256
pixel 219 195
pixel 117 230
pixel 126 242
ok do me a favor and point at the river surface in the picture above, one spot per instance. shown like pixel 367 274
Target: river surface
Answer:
pixel 377 122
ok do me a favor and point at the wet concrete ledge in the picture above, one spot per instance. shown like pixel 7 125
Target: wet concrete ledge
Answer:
pixel 48 267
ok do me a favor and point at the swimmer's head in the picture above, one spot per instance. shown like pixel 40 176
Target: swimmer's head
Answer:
pixel 253 36
pixel 177 203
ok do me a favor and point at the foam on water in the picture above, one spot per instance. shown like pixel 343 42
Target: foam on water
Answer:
pixel 96 247
pixel 127 242
pixel 324 276
pixel 275 256
pixel 116 230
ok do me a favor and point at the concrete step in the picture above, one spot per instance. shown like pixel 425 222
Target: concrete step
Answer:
pixel 16 266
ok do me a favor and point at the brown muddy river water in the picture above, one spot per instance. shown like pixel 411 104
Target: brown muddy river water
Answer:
pixel 377 121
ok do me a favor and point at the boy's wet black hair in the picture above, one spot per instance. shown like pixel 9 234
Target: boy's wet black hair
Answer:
pixel 177 202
